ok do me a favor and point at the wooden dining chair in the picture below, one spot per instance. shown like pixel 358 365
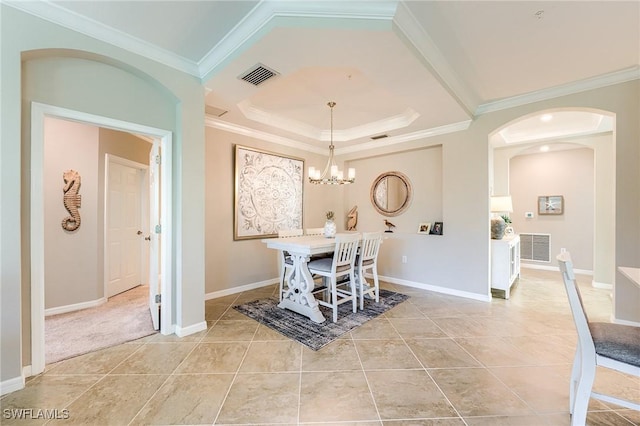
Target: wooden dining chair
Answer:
pixel 341 264
pixel 613 346
pixel 367 259
pixel 286 263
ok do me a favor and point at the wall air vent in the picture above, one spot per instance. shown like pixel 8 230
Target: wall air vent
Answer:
pixel 257 74
pixel 375 138
pixel 535 247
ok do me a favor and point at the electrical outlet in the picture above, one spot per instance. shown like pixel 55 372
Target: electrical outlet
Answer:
pixel 404 259
pixel 562 250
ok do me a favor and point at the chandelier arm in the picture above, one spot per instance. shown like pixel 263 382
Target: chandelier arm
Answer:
pixel 327 176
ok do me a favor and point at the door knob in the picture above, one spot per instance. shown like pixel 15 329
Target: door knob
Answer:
pixel 139 232
pixel 148 238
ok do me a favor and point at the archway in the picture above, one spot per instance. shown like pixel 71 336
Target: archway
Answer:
pixel 132 96
pixel 562 129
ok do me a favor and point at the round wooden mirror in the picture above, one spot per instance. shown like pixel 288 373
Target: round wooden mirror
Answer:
pixel 391 193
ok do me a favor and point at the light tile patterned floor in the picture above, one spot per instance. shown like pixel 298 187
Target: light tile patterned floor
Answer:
pixel 433 360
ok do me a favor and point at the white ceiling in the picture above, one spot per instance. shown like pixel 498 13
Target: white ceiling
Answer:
pixel 406 69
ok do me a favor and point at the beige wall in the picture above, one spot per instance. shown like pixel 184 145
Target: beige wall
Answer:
pixel 569 173
pixel 231 264
pixel 71 272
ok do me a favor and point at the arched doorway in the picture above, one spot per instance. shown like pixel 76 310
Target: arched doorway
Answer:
pixel 556 130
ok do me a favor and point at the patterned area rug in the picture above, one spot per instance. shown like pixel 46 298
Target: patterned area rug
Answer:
pixel 315 336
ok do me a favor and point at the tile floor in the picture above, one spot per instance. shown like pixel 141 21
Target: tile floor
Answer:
pixel 433 360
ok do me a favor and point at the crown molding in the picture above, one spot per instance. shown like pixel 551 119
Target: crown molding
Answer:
pixel 395 122
pixel 408 28
pixel 216 123
pixel 268 137
pixel 616 77
pixel 81 24
pixel 262 17
pixel 408 137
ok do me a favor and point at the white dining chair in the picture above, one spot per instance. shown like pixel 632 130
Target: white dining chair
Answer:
pixel 286 263
pixel 613 346
pixel 367 260
pixel 341 264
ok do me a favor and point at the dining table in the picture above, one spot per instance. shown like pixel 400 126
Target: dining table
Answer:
pixel 298 295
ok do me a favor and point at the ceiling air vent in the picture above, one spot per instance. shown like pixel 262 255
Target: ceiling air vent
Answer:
pixel 257 74
pixel 375 138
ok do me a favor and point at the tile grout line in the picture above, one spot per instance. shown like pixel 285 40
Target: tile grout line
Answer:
pixel 364 373
pixel 427 371
pixel 169 376
pixel 244 356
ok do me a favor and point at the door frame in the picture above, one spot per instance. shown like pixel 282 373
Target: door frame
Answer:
pixel 143 182
pixel 167 251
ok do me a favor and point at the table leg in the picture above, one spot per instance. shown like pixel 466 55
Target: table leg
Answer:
pixel 298 296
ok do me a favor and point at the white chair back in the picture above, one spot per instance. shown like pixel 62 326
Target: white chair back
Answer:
pixel 314 231
pixel 344 255
pixel 575 300
pixel 370 246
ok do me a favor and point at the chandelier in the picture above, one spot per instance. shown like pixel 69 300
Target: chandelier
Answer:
pixel 331 174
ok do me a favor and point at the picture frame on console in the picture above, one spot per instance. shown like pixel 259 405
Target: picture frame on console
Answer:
pixel 437 228
pixel 424 227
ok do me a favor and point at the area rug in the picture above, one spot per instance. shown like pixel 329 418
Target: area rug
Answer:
pixel 313 335
pixel 123 318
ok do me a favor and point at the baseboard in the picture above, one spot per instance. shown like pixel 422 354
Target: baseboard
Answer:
pixel 554 268
pixel 74 307
pixel 11 385
pixel 605 286
pixel 192 329
pixel 437 289
pixel 234 290
pixel 624 322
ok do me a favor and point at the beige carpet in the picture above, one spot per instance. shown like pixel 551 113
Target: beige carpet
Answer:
pixel 124 317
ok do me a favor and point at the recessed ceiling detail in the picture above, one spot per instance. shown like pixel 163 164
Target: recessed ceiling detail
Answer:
pixel 555 125
pixel 398 121
pixel 258 74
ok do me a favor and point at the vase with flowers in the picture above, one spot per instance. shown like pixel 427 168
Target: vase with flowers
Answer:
pixel 330 226
pixel 508 230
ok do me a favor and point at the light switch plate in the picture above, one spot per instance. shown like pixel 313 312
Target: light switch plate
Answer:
pixel 528 215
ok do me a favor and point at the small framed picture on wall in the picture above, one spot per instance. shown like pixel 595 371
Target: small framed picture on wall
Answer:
pixel 424 228
pixel 551 204
pixel 436 229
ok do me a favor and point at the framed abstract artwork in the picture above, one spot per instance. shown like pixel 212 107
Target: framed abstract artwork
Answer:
pixel 268 193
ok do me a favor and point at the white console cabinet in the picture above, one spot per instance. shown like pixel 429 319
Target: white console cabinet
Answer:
pixel 505 263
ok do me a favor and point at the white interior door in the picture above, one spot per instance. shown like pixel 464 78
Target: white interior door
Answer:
pixel 154 234
pixel 124 243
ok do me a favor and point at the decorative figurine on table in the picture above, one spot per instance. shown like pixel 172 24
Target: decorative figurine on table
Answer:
pixel 352 219
pixel 389 225
pixel 330 226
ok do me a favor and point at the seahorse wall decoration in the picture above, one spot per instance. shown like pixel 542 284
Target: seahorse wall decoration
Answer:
pixel 71 200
